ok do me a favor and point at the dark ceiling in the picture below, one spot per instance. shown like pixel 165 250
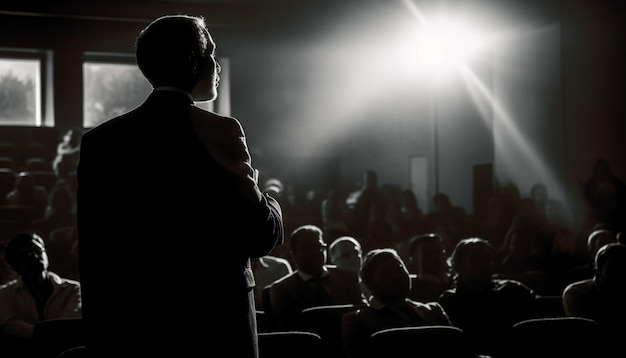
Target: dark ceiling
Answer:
pixel 238 12
pixel 217 12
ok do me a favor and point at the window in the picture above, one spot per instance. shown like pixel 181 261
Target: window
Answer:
pixel 21 74
pixel 112 85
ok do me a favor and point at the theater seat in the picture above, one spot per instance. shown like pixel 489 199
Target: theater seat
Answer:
pixel 290 344
pixel 423 342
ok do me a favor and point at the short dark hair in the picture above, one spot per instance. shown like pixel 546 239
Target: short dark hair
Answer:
pixel 303 231
pixel 463 248
pixel 373 259
pixel 162 49
pixel 345 238
pixel 13 247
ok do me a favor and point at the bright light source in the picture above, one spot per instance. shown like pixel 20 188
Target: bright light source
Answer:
pixel 447 43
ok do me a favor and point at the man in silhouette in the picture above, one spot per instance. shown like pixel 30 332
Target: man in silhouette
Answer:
pixel 170 212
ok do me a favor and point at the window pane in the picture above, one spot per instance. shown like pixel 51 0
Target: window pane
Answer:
pixel 20 95
pixel 111 89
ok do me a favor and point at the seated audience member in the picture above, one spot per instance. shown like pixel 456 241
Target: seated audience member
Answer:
pixel 389 306
pixel 267 269
pixel 26 192
pixel 67 153
pixel 601 297
pixel 428 264
pixel 596 239
pixel 346 252
pixel 517 258
pixel 605 196
pixel 484 307
pixel 526 256
pixel 35 295
pixel 313 283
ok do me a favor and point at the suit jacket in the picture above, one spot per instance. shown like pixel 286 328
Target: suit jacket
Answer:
pixel 291 294
pixel 169 214
pixel 19 309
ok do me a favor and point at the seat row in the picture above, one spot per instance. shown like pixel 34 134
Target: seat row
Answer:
pixel 539 337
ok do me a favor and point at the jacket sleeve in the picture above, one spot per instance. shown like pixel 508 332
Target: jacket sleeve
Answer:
pixel 225 140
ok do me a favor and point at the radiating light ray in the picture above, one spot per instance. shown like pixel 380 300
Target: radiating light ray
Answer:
pixel 440 45
pixel 480 91
pixel 417 12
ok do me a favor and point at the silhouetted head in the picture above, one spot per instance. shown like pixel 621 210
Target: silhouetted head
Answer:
pixel 473 261
pixel 178 51
pixel 427 254
pixel 599 238
pixel 383 272
pixel 61 199
pixel 408 201
pixel 26 254
pixel 345 252
pixel 308 249
pixel 610 265
pixel 441 203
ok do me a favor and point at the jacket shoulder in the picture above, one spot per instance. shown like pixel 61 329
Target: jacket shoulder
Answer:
pixel 207 120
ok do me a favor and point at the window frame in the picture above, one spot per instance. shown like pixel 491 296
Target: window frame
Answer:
pixel 44 114
pixel 105 58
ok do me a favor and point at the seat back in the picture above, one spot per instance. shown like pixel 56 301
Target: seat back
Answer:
pixel 74 352
pixel 326 321
pixel 555 337
pixel 289 344
pixel 7 163
pixel 37 164
pixel 9 149
pixel 423 342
